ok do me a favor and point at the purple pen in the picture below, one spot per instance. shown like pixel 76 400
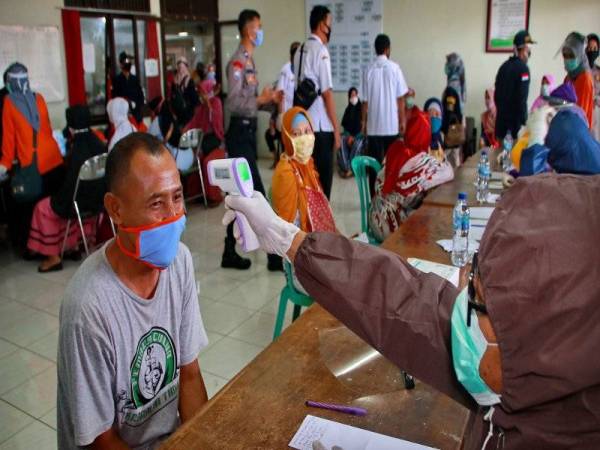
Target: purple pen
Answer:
pixel 355 411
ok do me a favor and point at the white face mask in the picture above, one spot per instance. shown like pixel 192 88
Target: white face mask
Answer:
pixel 353 101
pixel 303 147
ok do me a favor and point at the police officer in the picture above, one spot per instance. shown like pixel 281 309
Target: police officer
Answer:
pixel 243 102
pixel 128 86
pixel 512 88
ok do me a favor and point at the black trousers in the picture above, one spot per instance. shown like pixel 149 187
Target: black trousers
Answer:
pixel 240 140
pixel 323 157
pixel 377 148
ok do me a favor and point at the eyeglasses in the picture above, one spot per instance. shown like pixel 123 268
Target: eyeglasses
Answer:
pixel 473 303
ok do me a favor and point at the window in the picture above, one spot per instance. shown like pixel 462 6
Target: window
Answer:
pixel 93 41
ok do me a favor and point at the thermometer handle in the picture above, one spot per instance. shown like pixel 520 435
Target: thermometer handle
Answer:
pixel 248 235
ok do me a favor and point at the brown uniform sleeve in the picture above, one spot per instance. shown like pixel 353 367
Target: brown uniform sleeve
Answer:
pixel 400 311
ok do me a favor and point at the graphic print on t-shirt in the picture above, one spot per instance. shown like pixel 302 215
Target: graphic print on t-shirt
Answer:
pixel 153 366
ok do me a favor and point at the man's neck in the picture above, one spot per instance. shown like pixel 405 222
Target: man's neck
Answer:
pixel 136 275
pixel 321 36
pixel 247 44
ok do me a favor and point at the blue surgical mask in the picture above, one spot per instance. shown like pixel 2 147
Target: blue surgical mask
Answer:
pixel 468 346
pixel 259 37
pixel 156 244
pixel 571 65
pixel 436 124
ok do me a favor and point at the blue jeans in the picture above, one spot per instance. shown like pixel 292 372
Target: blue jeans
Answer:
pixel 348 152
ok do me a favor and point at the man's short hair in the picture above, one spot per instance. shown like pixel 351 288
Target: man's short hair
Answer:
pixel 247 15
pixel 318 15
pixel 382 43
pixel 119 159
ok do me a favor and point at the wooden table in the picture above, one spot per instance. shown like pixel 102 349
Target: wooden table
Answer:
pixel 263 406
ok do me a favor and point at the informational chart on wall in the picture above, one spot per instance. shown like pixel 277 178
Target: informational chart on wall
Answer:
pixel 355 25
pixel 504 19
pixel 38 48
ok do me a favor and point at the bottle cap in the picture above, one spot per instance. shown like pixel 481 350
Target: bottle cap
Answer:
pixel 462 195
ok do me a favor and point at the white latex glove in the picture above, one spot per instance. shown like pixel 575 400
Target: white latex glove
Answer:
pixel 274 234
pixel 538 124
pixel 3 170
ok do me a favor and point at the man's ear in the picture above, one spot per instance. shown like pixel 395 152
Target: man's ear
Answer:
pixel 112 204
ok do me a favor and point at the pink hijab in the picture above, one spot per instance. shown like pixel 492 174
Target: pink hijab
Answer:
pixel 539 101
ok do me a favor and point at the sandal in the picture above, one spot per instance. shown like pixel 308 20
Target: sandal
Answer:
pixel 54 268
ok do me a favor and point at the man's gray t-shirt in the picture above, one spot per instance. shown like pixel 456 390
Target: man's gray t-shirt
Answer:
pixel 119 354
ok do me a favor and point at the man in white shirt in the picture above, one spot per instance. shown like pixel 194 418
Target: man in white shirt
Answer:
pixel 383 90
pixel 287 81
pixel 316 65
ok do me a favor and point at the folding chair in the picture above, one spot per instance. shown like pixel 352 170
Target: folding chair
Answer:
pixel 192 139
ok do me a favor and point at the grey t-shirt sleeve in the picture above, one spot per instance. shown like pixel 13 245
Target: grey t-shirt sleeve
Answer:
pixel 192 335
pixel 88 365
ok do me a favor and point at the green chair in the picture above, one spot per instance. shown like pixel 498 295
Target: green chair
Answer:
pixel 289 292
pixel 360 166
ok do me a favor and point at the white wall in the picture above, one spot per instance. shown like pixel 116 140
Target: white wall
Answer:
pixel 422 33
pixel 37 13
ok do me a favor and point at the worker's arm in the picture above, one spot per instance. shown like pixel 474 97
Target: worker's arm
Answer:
pixel 326 86
pixel 400 311
pixel 330 108
pixel 401 115
pixel 523 92
pixel 192 392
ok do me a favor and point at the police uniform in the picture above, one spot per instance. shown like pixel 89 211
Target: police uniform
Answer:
pixel 512 89
pixel 241 103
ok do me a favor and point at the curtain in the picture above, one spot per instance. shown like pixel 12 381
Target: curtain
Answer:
pixel 73 57
pixel 154 88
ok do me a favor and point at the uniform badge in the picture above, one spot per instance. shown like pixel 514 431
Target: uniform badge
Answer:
pixel 238 69
pixel 524 77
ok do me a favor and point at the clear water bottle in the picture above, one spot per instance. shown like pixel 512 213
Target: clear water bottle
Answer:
pixel 507 145
pixel 483 177
pixel 461 224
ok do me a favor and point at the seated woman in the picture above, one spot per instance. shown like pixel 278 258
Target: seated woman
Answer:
pixel 488 122
pixel 548 86
pixel 408 172
pixel 352 138
pixel 208 117
pixel 50 215
pixel 118 115
pixel 297 194
pixel 433 108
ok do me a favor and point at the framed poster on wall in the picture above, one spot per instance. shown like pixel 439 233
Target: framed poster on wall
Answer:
pixel 504 19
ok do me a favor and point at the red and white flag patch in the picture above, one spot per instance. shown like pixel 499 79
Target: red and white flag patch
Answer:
pixel 524 77
pixel 238 68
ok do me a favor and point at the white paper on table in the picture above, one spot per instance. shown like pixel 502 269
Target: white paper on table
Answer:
pixel 446 244
pixel 330 433
pixel 445 271
pixel 481 212
pixel 496 185
pixel 496 176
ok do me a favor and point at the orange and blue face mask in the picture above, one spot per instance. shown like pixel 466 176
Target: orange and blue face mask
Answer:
pixel 156 244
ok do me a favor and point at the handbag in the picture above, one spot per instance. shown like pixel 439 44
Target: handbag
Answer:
pixel 26 183
pixel 455 137
pixel 306 93
pixel 320 215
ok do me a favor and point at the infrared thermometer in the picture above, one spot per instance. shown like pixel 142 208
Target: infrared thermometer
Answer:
pixel 233 176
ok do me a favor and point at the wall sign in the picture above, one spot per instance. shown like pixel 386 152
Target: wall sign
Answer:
pixel 504 19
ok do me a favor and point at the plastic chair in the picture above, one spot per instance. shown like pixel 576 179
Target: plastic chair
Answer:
pixel 289 292
pixel 91 170
pixel 360 164
pixel 193 139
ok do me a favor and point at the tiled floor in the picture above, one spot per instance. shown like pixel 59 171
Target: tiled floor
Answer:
pixel 238 309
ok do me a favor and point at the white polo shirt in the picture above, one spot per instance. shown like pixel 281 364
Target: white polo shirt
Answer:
pixel 316 65
pixel 287 84
pixel 382 84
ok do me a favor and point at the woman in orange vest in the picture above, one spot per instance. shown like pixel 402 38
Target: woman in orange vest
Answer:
pixel 578 73
pixel 25 129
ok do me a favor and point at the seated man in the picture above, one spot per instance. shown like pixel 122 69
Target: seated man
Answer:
pixel 130 326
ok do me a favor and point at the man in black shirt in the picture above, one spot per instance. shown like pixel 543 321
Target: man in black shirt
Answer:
pixel 127 85
pixel 512 88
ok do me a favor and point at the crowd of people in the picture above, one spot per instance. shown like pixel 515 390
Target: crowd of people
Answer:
pixel 418 148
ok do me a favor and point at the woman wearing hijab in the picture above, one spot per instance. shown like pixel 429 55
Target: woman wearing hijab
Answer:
pixel 455 76
pixel 352 138
pixel 517 346
pixel 488 121
pixel 578 73
pixel 433 108
pixel 208 116
pixel 118 115
pixel 26 131
pixel 297 193
pixel 548 86
pixel 408 172
pixel 184 96
pixel 594 62
pixel 50 216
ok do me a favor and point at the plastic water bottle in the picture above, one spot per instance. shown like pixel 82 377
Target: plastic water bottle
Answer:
pixel 461 224
pixel 507 145
pixel 483 176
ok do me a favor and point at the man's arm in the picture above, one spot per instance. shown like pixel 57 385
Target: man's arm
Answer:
pixel 401 115
pixel 523 94
pixel 330 108
pixel 109 440
pixel 192 392
pixel 363 117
